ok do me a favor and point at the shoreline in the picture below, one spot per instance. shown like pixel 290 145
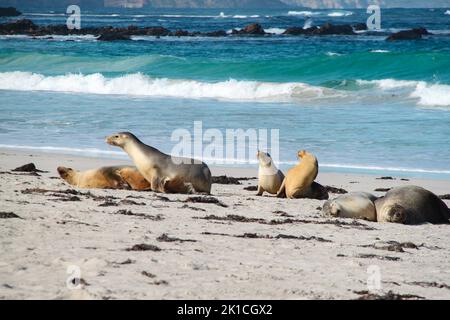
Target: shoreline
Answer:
pixel 227 169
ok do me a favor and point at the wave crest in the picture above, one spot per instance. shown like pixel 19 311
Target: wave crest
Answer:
pixel 138 84
pixel 340 14
pixel 428 94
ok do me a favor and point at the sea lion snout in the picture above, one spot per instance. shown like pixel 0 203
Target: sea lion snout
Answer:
pixel 264 158
pixel 63 171
pixel 396 213
pixel 301 153
pixel 330 208
pixel 111 140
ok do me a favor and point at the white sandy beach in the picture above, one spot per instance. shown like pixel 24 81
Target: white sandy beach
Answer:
pixel 242 247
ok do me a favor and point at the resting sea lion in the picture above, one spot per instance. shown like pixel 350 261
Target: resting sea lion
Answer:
pixel 117 177
pixel 411 205
pixel 269 177
pixel 357 205
pixel 298 179
pixel 120 177
pixel 154 164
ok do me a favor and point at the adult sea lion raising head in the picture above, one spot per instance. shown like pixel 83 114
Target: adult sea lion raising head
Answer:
pixel 155 165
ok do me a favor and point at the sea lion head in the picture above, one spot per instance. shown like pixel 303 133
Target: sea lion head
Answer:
pixel 120 139
pixel 395 213
pixel 264 158
pixel 301 154
pixel 331 208
pixel 66 174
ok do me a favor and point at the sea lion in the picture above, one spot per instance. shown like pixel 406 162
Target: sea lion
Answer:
pixel 154 164
pixel 116 177
pixel 270 177
pixel 298 179
pixel 133 178
pixel 357 205
pixel 411 205
pixel 120 177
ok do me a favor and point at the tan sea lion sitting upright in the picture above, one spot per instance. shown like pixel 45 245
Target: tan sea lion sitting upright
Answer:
pixel 298 179
pixel 155 165
pixel 116 177
pixel 270 177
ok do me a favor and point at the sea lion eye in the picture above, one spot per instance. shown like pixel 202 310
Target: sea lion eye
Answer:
pixel 268 154
pixel 116 136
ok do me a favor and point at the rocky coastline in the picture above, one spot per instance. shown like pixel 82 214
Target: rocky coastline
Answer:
pixel 110 33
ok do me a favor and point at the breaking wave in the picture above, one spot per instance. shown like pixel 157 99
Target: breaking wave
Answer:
pixel 138 84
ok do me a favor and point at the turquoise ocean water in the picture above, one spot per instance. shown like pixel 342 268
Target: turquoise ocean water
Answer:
pixel 361 104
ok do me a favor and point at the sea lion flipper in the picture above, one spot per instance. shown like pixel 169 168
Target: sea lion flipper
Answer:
pixel 260 191
pixel 282 191
pixel 176 185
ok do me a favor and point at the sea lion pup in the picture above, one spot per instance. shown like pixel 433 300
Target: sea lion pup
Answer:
pixel 117 177
pixel 357 205
pixel 298 179
pixel 411 205
pixel 120 177
pixel 154 164
pixel 270 177
pixel 136 181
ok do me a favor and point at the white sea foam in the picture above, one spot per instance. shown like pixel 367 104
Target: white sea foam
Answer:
pixel 432 95
pixel 379 51
pixel 239 16
pixel 275 30
pixel 427 94
pixel 138 84
pixel 340 14
pixel 388 84
pixel 308 24
pixel 447 12
pixel 303 13
pixel 331 54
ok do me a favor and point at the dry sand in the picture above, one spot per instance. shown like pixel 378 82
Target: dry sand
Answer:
pixel 270 249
